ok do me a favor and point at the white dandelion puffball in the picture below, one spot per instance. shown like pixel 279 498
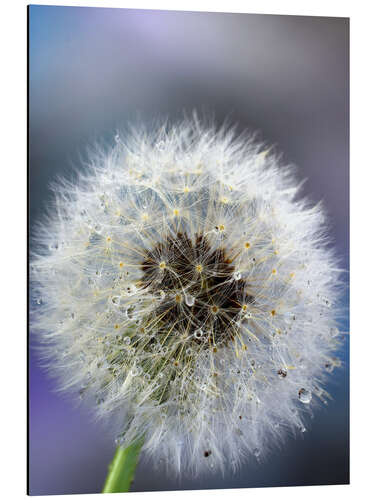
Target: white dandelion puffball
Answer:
pixel 186 292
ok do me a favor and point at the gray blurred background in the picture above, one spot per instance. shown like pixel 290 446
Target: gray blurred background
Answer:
pixel 91 71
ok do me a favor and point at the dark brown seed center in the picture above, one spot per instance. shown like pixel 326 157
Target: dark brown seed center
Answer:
pixel 197 286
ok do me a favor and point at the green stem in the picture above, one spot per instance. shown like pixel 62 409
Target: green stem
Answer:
pixel 121 469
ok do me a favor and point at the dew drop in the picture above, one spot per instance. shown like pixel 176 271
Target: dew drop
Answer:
pixel 256 452
pixel 117 138
pixel 304 395
pixel 160 146
pixel 334 332
pixel 130 314
pixel 329 366
pixel 198 334
pixel 189 299
pixel 323 300
pixel 39 301
pixel 135 371
pixel 131 290
pixel 236 275
pixel 115 300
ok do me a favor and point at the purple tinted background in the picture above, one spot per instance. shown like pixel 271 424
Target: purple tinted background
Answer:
pixel 92 70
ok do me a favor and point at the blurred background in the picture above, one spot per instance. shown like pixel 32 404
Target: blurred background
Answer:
pixel 91 71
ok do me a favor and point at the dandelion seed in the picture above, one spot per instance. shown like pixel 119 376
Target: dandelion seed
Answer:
pixel 203 343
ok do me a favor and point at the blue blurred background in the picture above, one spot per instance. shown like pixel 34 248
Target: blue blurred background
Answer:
pixel 91 70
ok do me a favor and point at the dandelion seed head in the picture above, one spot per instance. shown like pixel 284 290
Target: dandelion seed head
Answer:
pixel 185 290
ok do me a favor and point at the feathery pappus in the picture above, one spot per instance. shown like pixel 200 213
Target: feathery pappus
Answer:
pixel 189 294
